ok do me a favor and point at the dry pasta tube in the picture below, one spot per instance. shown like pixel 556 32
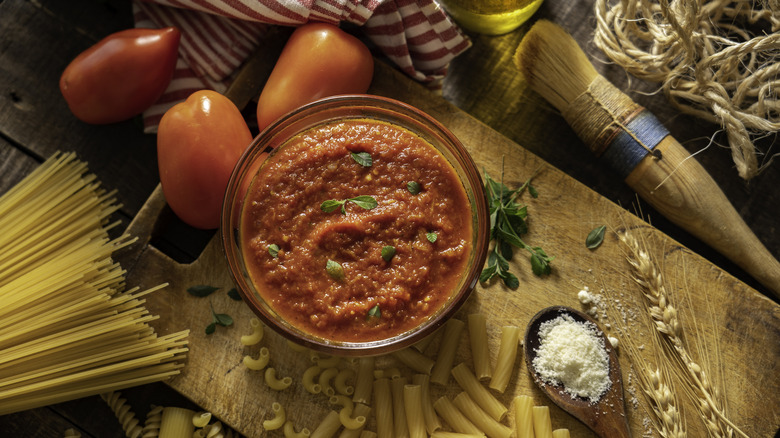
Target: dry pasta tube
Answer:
pixel 353 423
pixel 201 419
pixel 308 382
pixel 481 395
pixel 423 343
pixel 542 425
pixel 524 420
pixel 340 382
pixel 324 381
pixel 413 407
pixel 455 418
pixel 383 408
pixel 279 418
pixel 275 383
pixel 480 351
pixel 453 329
pixel 259 363
pixel 176 423
pixel 257 333
pixel 289 431
pixel 414 360
pixel 364 381
pixel 328 362
pixel 432 423
pixel 390 373
pixel 507 355
pixel 72 433
pixel 400 428
pixel 367 434
pixel 480 418
pixel 561 433
pixel 444 434
pixel 328 426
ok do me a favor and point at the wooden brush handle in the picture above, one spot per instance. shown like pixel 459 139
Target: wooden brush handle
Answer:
pixel 679 188
pixel 637 146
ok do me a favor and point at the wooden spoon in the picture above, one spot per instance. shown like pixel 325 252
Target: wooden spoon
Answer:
pixel 607 416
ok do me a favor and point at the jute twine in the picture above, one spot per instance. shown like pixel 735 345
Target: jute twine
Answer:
pixel 708 65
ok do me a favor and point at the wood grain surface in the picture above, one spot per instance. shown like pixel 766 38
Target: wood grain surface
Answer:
pixel 484 101
pixel 560 220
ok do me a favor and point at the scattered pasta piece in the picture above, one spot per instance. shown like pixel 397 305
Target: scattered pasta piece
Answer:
pixel 440 373
pixel 309 375
pixel 279 418
pixel 275 383
pixel 122 411
pixel 257 333
pixel 324 381
pixel 261 362
pixel 340 382
pixel 201 419
pixel 542 426
pixel 289 431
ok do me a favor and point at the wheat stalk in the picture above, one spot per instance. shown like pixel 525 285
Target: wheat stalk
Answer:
pixel 666 321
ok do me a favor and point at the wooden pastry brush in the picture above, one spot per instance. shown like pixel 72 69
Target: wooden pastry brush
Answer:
pixel 637 146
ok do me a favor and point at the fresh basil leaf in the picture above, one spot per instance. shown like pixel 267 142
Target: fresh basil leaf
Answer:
pixel 532 190
pixel 413 187
pixel 331 205
pixel 234 295
pixel 364 201
pixel 488 273
pixel 202 290
pixel 503 265
pixel 539 265
pixel 363 158
pixel 223 319
pixel 375 312
pixel 273 249
pixel 595 237
pixel 510 280
pixel 334 269
pixel 432 237
pixel 388 252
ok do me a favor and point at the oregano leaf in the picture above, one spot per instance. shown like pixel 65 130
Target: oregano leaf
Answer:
pixel 362 158
pixel 595 237
pixel 413 187
pixel 201 290
pixel 334 269
pixel 388 252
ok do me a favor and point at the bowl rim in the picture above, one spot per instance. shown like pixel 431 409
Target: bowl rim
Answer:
pixel 472 182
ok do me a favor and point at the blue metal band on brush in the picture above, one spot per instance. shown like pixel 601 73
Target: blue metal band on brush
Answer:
pixel 624 153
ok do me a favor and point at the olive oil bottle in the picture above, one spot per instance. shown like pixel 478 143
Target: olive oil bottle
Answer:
pixel 490 17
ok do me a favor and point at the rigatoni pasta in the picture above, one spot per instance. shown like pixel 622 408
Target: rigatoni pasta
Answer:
pixel 542 424
pixel 328 426
pixel 432 422
pixel 383 408
pixel 481 395
pixel 364 381
pixel 453 329
pixel 400 427
pixel 507 355
pixel 524 419
pixel 414 360
pixel 480 350
pixel 561 433
pixel 413 407
pixel 454 417
pixel 480 418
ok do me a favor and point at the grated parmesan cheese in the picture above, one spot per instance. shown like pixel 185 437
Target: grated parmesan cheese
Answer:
pixel 573 355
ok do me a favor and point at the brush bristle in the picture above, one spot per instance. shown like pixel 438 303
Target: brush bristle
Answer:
pixel 553 64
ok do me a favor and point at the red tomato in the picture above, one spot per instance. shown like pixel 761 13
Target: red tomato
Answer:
pixel 318 60
pixel 199 141
pixel 122 75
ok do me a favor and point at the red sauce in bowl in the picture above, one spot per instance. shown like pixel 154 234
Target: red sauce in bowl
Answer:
pixel 283 209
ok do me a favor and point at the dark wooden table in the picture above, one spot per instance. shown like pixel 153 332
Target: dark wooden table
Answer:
pixel 39 38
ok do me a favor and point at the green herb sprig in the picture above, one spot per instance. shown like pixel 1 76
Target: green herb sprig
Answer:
pixel 507 224
pixel 218 319
pixel 363 201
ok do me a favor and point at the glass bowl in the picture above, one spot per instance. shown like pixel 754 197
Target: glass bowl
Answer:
pixel 334 110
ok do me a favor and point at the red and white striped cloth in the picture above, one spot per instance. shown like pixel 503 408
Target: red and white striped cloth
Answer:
pixel 218 35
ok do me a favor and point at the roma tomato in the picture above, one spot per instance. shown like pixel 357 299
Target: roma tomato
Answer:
pixel 199 141
pixel 318 60
pixel 122 75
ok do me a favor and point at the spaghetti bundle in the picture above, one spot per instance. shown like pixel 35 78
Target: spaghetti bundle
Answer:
pixel 68 327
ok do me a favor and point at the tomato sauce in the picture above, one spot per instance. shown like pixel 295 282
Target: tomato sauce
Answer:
pixel 367 297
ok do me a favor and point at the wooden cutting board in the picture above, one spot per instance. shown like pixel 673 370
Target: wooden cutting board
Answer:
pixel 737 326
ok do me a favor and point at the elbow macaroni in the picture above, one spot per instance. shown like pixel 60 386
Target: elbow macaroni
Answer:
pixel 279 418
